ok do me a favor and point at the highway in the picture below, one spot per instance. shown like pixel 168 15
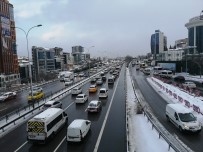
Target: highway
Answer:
pixel 108 130
pixel 158 104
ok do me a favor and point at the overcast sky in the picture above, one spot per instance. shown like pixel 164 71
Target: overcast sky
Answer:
pixel 114 27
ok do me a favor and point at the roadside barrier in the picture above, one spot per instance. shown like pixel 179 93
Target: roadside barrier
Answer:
pixel 172 142
pixel 31 108
pixel 183 99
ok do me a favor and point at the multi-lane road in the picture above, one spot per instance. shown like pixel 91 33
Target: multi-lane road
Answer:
pixel 158 106
pixel 108 132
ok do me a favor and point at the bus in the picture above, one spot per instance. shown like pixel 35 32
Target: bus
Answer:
pixel 44 125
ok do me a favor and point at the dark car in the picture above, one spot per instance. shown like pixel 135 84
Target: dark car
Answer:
pixel 104 78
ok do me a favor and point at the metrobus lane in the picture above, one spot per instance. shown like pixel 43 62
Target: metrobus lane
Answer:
pixel 19 133
pixel 87 145
pixel 74 111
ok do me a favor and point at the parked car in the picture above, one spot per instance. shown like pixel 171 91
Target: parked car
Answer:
pixel 189 84
pixel 35 96
pixel 52 104
pixel 81 98
pixel 99 82
pixel 76 91
pixel 77 130
pixel 103 93
pixel 7 96
pixel 93 88
pixel 94 106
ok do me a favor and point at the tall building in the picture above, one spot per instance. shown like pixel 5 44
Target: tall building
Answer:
pixel 78 54
pixel 158 43
pixel 9 69
pixel 43 61
pixel 195 34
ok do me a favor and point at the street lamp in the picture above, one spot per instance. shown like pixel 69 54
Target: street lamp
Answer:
pixel 30 72
pixel 186 51
pixel 89 57
pixel 201 15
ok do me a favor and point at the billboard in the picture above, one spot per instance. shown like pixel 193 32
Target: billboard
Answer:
pixel 168 66
pixel 5 25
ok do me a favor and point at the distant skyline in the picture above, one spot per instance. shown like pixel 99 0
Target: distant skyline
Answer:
pixel 114 27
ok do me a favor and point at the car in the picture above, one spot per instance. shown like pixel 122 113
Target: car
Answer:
pixel 104 78
pixel 94 106
pixel 81 98
pixel 37 89
pixel 81 75
pixel 35 96
pixel 7 96
pixel 77 130
pixel 189 84
pixel 93 88
pixel 52 104
pixel 102 74
pixel 103 93
pixel 93 80
pixel 99 82
pixel 76 91
pixel 68 82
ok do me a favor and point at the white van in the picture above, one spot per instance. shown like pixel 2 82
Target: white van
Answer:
pixel 182 118
pixel 46 124
pixel 77 130
pixel 103 93
pixel 166 74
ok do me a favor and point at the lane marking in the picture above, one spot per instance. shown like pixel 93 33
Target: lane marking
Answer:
pixel 27 141
pixel 105 120
pixel 3 109
pixel 59 144
pixel 21 146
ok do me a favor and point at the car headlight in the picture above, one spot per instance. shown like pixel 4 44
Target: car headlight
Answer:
pixel 185 126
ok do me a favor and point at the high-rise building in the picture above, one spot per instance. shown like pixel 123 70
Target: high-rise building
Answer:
pixel 9 69
pixel 195 34
pixel 78 54
pixel 158 43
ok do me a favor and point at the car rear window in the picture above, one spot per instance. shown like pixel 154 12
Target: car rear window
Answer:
pixel 102 91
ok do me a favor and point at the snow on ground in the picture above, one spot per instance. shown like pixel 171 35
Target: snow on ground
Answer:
pixel 176 95
pixel 141 136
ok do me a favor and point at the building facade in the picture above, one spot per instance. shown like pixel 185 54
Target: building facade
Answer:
pixel 171 55
pixel 158 43
pixel 195 34
pixel 43 61
pixel 9 70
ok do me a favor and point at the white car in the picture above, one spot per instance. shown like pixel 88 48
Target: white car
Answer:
pixel 99 82
pixel 76 91
pixel 69 82
pixel 103 93
pixel 94 106
pixel 7 96
pixel 52 104
pixel 81 98
pixel 189 84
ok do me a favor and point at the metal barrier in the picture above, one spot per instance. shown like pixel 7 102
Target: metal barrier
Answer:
pixel 151 118
pixel 32 108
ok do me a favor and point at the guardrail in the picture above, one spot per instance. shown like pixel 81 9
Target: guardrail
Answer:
pixel 40 103
pixel 153 121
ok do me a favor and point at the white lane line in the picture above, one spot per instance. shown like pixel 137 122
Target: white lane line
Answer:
pixel 3 109
pixel 104 123
pixel 69 106
pixel 27 141
pixel 59 144
pixel 21 146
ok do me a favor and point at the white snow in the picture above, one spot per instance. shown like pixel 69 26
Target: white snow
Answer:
pixel 142 138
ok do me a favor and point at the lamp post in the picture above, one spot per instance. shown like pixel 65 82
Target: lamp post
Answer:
pixel 186 51
pixel 89 59
pixel 30 71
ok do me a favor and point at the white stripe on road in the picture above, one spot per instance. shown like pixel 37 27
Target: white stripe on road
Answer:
pixel 56 147
pixel 59 144
pixel 104 123
pixel 21 146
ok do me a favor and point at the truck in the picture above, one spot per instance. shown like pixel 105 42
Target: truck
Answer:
pixel 66 75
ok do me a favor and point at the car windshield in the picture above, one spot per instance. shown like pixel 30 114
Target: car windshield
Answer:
pixel 79 96
pixel 47 105
pixel 186 117
pixel 92 105
pixel 102 91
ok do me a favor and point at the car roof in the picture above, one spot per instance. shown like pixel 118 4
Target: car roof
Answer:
pixel 82 94
pixel 93 85
pixel 94 101
pixel 50 102
pixel 103 89
pixel 77 123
